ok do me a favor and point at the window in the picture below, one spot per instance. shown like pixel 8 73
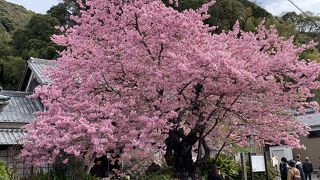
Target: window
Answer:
pixel 314 134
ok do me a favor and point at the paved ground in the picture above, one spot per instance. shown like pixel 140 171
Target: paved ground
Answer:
pixel 314 177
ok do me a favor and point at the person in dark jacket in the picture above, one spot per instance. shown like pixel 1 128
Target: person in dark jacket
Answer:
pixel 307 168
pixel 213 173
pixel 283 168
pixel 299 166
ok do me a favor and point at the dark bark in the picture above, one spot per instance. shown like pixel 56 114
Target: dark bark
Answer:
pixel 202 160
pixel 206 148
pixel 179 150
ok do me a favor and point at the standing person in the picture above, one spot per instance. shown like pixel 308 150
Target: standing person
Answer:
pixel 214 174
pixel 307 168
pixel 298 158
pixel 299 166
pixel 293 172
pixel 283 168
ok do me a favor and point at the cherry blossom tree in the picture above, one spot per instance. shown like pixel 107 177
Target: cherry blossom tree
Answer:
pixel 139 77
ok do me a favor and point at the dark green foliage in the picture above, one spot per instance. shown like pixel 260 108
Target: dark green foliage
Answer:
pixel 23 34
pixel 11 70
pixel 64 10
pixel 4 171
pixel 34 40
pixel 262 175
pixel 186 4
pixel 7 24
pixel 73 170
pixel 229 168
pixel 156 177
pixel 42 26
pixel 257 11
pixel 54 176
pixel 61 13
pixel 163 173
pixel 224 13
pixel 12 17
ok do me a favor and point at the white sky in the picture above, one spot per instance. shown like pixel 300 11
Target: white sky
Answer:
pixel 39 6
pixel 276 7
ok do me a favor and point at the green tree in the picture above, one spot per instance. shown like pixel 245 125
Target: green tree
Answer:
pixel 303 23
pixel 11 70
pixel 62 13
pixel 35 40
pixel 225 13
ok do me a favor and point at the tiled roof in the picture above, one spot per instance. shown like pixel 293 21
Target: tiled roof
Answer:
pixel 39 66
pixel 10 136
pixel 312 119
pixel 20 108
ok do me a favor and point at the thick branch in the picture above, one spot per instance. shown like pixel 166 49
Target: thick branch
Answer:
pixel 223 145
pixel 141 34
pixel 220 119
pixel 91 163
pixel 159 56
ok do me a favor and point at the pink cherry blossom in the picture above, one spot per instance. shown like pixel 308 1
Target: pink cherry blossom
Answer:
pixel 135 70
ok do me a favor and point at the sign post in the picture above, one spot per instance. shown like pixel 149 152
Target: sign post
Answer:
pixel 250 164
pixel 243 165
pixel 266 165
pixel 258 164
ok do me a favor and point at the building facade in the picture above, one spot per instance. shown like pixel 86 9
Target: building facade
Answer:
pixel 17 110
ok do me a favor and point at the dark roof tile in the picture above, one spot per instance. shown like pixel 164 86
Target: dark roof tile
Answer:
pixel 20 108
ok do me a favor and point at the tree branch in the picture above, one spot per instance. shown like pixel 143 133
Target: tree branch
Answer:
pixel 220 119
pixel 141 34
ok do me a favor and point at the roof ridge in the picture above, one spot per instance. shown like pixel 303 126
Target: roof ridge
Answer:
pixel 41 61
pixel 15 93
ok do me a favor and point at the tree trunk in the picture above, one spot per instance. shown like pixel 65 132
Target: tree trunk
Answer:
pixel 179 151
pixel 90 165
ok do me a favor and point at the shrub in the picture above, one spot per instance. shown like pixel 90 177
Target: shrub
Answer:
pixel 4 171
pixel 229 168
pixel 262 175
pixel 73 170
pixel 161 173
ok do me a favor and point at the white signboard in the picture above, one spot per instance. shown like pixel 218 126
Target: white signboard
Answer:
pixel 258 164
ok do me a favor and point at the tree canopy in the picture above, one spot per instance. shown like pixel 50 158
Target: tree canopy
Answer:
pixel 142 77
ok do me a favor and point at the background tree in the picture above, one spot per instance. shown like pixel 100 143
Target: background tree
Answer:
pixel 34 40
pixel 61 13
pixel 11 70
pixel 139 77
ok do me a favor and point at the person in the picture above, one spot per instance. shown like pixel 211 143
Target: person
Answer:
pixel 299 166
pixel 100 168
pixel 293 172
pixel 214 174
pixel 298 157
pixel 307 168
pixel 283 168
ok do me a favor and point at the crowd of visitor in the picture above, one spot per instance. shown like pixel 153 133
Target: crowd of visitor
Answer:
pixel 296 170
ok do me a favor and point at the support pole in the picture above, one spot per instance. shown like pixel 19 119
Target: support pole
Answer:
pixel 243 166
pixel 250 162
pixel 266 165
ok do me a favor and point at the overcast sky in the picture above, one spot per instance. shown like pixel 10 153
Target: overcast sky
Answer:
pixel 276 7
pixel 39 6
